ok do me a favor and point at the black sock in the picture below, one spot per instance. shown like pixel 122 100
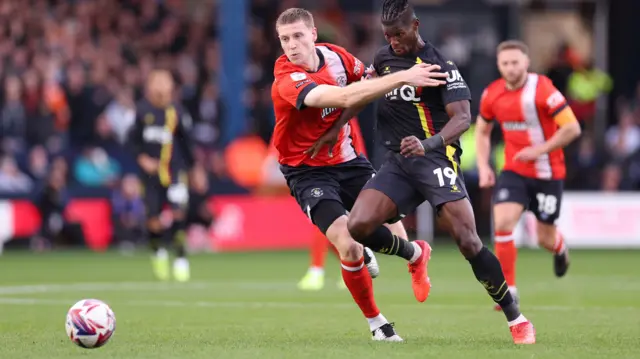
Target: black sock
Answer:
pixel 385 242
pixel 179 238
pixel 155 241
pixel 488 272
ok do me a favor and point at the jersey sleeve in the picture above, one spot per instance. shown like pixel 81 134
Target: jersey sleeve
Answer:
pixel 552 101
pixel 456 88
pixel 293 86
pixel 486 112
pixel 355 68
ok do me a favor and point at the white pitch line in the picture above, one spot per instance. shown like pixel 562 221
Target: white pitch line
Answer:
pixel 295 305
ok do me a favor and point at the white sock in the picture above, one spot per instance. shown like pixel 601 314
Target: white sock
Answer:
pixel 377 322
pixel 417 253
pixel 513 290
pixel 181 263
pixel 162 253
pixel 316 270
pixel 518 320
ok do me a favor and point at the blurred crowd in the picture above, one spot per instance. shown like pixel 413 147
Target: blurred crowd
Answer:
pixel 72 71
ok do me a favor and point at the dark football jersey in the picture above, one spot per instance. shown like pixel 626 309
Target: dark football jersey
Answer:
pixel 411 111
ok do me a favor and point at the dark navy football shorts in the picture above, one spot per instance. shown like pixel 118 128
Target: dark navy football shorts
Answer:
pixel 542 197
pixel 435 178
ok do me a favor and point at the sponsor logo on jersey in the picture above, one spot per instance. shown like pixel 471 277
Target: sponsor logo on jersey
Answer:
pixel 301 83
pixel 404 93
pixel 515 126
pixel 298 76
pixel 357 68
pixel 455 80
pixel 327 111
pixel 555 99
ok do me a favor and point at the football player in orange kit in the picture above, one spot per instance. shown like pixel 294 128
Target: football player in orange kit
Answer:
pixel 536 124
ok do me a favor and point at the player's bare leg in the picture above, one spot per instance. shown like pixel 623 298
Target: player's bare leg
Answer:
pixel 371 210
pixel 550 239
pixel 354 272
pixel 505 218
pixel 459 220
pixel 314 278
pixel 160 257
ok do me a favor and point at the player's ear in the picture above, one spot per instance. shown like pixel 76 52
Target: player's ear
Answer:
pixel 314 34
pixel 416 24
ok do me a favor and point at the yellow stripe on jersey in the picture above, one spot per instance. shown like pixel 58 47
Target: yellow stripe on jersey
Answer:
pixel 451 152
pixel 421 114
pixel 164 168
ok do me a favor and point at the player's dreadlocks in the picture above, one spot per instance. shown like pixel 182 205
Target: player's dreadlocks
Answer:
pixel 394 10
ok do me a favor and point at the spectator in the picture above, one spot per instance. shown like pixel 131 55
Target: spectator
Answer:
pixel 12 181
pixel 128 212
pixel 13 119
pixel 96 169
pixel 623 139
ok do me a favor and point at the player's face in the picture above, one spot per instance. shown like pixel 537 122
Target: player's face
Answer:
pixel 298 42
pixel 402 38
pixel 160 89
pixel 513 65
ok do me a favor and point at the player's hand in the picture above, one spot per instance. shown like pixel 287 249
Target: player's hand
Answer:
pixel 487 177
pixel 527 154
pixel 425 75
pixel 148 164
pixel 330 138
pixel 411 146
pixel 370 73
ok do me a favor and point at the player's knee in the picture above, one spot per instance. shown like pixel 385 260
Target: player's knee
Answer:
pixel 506 216
pixel 360 227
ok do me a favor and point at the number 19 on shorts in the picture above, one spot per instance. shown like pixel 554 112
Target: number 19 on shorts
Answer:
pixel 447 172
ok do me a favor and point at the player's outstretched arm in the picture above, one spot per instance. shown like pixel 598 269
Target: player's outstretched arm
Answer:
pixel 362 92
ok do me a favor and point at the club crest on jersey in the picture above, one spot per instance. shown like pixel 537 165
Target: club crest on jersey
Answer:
pixel 342 81
pixel 298 76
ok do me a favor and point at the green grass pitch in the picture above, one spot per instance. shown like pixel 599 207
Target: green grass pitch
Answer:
pixel 246 305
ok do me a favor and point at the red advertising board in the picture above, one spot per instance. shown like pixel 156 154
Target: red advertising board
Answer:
pixel 242 222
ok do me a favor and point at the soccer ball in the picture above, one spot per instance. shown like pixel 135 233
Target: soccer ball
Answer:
pixel 90 323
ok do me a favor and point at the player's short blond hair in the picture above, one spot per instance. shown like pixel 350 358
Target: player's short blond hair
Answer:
pixel 513 45
pixel 293 15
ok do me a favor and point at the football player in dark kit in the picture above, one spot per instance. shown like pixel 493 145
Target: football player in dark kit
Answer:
pixel 159 132
pixel 420 127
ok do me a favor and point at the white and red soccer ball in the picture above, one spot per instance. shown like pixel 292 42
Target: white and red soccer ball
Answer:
pixel 90 323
